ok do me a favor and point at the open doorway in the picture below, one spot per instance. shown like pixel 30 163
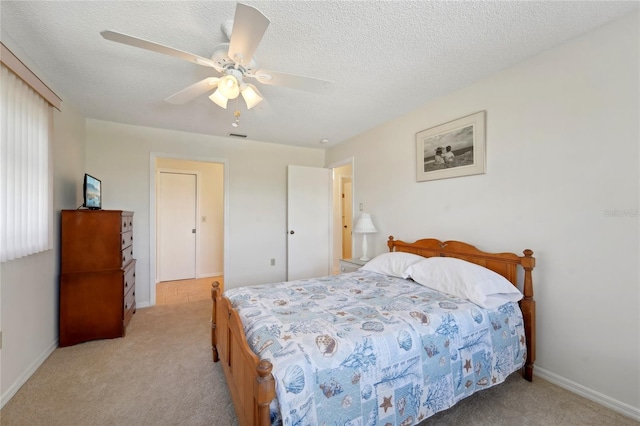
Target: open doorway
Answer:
pixel 342 213
pixel 189 226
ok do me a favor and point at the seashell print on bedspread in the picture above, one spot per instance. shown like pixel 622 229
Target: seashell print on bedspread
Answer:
pixel 368 349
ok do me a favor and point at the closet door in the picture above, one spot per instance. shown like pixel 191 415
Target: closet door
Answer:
pixel 176 226
pixel 309 222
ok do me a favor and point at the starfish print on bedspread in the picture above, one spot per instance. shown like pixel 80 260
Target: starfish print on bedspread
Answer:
pixel 387 403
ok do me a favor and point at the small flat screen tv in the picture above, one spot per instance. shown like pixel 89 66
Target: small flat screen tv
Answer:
pixel 92 190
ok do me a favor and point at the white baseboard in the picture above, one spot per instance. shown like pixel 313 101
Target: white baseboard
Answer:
pixel 595 396
pixel 142 305
pixel 212 274
pixel 15 387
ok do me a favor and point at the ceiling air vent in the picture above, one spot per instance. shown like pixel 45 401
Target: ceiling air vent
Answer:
pixel 237 135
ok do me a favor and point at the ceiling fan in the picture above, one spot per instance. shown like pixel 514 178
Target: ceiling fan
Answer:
pixel 233 60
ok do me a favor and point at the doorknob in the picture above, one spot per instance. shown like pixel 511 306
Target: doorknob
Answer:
pixel 292 232
pixel 345 227
pixel 193 231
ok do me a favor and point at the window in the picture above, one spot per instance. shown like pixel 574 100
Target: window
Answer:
pixel 26 196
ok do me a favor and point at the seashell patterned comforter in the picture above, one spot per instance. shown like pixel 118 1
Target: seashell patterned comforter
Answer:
pixel 362 348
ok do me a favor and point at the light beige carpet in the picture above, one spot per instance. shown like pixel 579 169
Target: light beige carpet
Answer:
pixel 161 374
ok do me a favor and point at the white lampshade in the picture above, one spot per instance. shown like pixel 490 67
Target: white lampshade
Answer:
pixel 228 87
pixel 218 99
pixel 364 225
pixel 251 95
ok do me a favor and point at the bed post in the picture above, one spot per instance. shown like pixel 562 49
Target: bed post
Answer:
pixel 266 391
pixel 528 307
pixel 390 243
pixel 215 293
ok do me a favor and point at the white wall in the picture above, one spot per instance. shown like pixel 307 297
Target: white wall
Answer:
pixel 29 289
pixel 119 155
pixel 562 153
pixel 210 253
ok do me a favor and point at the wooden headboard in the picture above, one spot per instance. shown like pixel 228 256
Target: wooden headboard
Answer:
pixel 505 264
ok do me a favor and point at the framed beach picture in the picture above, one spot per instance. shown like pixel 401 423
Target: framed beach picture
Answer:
pixel 452 149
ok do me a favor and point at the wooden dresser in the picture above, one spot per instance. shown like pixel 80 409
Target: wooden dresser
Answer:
pixel 97 275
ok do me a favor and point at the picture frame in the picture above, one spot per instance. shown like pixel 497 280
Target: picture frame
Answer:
pixel 453 149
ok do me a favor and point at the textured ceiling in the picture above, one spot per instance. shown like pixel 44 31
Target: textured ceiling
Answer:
pixel 386 58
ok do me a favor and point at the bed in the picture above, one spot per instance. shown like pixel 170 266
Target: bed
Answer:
pixel 323 372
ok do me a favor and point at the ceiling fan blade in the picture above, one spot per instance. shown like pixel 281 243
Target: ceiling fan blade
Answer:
pixel 249 25
pixel 193 91
pixel 158 48
pixel 293 81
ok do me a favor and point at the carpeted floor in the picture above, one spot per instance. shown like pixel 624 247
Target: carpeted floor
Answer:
pixel 161 373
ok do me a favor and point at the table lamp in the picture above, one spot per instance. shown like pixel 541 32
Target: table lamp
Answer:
pixel 364 226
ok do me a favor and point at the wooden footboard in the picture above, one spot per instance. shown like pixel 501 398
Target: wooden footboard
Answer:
pixel 249 379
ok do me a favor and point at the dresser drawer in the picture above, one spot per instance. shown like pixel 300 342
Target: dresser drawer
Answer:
pixel 127 317
pixel 126 223
pixel 129 277
pixel 127 239
pixel 127 255
pixel 129 300
pixel 128 307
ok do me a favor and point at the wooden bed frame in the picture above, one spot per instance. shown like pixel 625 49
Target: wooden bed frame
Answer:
pixel 250 381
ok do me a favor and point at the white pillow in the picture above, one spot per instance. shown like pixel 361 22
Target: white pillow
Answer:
pixel 465 280
pixel 393 263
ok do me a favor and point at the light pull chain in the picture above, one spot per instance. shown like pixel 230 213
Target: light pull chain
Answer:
pixel 236 114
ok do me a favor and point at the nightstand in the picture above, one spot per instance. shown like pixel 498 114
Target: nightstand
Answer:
pixel 351 265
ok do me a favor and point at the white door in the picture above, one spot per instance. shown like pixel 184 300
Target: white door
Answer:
pixel 176 226
pixel 308 221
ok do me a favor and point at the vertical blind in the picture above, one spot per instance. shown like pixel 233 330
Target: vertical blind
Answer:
pixel 26 207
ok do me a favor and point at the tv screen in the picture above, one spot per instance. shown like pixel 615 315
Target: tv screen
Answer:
pixel 92 192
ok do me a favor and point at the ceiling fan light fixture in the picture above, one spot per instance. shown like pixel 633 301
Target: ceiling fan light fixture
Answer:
pixel 219 99
pixel 234 60
pixel 251 95
pixel 228 87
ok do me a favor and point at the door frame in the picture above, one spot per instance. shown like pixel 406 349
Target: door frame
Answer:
pixel 197 215
pixel 152 212
pixel 333 165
